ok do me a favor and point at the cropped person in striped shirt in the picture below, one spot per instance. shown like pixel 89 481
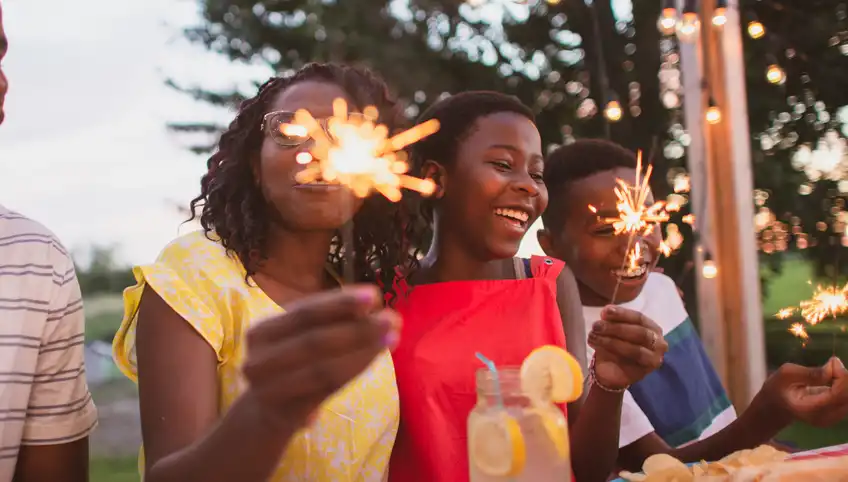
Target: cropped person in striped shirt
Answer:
pixel 681 408
pixel 46 412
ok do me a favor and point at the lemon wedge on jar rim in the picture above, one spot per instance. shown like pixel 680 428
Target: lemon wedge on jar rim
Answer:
pixel 496 445
pixel 551 374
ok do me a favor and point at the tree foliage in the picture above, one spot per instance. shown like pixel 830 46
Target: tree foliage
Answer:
pixel 556 56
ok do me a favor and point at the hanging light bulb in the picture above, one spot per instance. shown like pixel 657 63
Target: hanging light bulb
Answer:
pixel 713 114
pixel 709 269
pixel 613 111
pixel 689 25
pixel 756 29
pixel 668 18
pixel 720 13
pixel 775 74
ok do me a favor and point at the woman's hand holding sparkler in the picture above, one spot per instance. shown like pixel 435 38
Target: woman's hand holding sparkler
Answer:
pixel 628 346
pixel 297 359
pixel 814 395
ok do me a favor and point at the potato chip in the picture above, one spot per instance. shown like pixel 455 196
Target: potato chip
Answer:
pixel 680 473
pixel 661 462
pixel 747 465
pixel 631 477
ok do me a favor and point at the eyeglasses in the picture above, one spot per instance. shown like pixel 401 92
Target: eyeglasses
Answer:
pixel 282 129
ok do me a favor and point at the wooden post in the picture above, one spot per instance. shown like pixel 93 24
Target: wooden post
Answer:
pixel 722 196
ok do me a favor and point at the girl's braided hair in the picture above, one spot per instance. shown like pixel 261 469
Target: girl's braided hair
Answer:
pixel 232 206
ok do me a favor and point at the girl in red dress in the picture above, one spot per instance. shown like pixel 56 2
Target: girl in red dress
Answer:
pixel 470 295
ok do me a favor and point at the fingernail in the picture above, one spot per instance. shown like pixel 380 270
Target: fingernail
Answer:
pixel 366 296
pixel 386 320
pixel 597 327
pixel 610 310
pixel 390 339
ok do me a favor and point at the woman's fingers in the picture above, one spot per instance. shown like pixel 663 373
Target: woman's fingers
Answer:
pixel 316 345
pixel 319 309
pixel 316 380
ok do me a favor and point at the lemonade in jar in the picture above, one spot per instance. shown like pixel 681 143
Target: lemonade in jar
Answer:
pixel 516 432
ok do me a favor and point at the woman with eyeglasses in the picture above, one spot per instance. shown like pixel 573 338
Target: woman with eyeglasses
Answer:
pixel 250 365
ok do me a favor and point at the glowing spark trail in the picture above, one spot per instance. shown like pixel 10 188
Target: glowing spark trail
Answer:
pixel 356 152
pixel 633 215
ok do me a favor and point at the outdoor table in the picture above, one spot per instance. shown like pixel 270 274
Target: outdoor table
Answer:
pixel 832 451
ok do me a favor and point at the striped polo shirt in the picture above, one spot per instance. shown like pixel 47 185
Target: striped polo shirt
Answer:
pixel 44 397
pixel 683 401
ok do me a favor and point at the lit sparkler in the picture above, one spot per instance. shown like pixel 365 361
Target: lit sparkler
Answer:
pixel 356 152
pixel 633 215
pixel 830 301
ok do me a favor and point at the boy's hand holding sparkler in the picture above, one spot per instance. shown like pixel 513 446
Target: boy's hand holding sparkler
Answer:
pixel 628 346
pixel 814 395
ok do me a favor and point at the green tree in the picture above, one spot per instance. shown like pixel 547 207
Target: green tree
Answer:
pixel 566 60
pixel 103 274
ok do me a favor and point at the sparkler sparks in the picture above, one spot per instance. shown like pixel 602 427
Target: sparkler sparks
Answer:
pixel 785 313
pixel 356 152
pixel 830 301
pixel 826 302
pixel 634 259
pixel 634 216
pixel 799 330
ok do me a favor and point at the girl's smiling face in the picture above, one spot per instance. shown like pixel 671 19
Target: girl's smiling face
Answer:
pixel 494 190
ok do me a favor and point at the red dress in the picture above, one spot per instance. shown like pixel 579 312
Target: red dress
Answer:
pixel 444 325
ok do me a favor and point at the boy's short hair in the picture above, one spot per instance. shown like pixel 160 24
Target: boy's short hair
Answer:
pixel 574 162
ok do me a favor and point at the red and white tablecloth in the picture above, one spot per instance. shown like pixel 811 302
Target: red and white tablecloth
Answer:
pixel 834 451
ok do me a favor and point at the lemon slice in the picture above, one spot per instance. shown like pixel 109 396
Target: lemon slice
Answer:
pixel 550 373
pixel 557 429
pixel 496 445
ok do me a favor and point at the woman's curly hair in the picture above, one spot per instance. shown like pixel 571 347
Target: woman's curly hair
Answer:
pixel 234 208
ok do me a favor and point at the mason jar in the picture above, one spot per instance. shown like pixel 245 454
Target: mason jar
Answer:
pixel 513 438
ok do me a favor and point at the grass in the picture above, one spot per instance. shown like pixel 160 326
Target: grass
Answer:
pixel 103 317
pixel 114 470
pixel 790 288
pixel 806 437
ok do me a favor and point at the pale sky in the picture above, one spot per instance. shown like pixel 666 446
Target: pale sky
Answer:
pixel 84 148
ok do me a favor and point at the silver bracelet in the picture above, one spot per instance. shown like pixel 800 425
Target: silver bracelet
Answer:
pixel 593 380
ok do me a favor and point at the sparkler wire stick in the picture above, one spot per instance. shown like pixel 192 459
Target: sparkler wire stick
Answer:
pixel 623 265
pixel 835 283
pixel 349 267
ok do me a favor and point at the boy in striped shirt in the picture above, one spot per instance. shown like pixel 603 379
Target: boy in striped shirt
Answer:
pixel 46 411
pixel 680 409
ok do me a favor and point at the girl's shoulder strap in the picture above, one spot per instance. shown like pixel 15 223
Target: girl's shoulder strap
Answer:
pixel 400 287
pixel 545 267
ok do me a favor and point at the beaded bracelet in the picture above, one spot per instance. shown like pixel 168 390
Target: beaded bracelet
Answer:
pixel 593 380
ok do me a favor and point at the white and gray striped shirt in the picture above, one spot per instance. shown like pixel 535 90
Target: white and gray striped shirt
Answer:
pixel 44 397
